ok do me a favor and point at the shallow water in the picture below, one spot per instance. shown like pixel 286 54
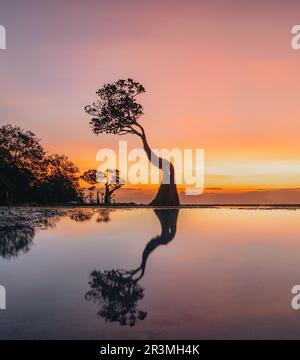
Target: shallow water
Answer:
pixel 214 273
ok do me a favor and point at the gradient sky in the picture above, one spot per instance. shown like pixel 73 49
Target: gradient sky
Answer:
pixel 219 75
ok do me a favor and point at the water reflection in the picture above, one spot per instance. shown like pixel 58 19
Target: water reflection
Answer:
pixel 103 215
pixel 231 277
pixel 81 215
pixel 15 240
pixel 18 229
pixel 19 226
pixel 117 295
pixel 117 292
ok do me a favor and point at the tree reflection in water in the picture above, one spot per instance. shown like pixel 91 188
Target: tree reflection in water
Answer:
pixel 81 215
pixel 15 240
pixel 104 215
pixel 18 228
pixel 117 292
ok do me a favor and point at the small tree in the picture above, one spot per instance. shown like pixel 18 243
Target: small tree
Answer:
pixel 90 177
pixel 109 178
pixel 117 112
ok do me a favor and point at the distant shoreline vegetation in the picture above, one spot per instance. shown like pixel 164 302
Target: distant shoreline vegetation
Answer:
pixel 28 174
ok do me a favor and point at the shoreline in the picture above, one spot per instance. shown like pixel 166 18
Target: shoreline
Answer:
pixel 143 206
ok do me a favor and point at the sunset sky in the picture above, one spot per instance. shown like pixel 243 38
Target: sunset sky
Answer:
pixel 219 75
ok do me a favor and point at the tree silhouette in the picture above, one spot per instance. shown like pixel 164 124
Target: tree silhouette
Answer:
pixel 21 162
pixel 117 292
pixel 117 112
pixel 109 178
pixel 20 148
pixel 29 174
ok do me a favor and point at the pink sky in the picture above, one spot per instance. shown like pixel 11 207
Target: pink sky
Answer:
pixel 219 75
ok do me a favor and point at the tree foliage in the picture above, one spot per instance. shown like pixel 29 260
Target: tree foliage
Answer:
pixel 117 111
pixel 109 178
pixel 29 174
pixel 20 149
pixel 60 181
pixel 90 176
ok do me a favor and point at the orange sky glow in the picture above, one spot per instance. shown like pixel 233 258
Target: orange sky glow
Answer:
pixel 219 77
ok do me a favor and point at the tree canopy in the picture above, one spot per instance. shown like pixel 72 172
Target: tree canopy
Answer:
pixel 117 111
pixel 29 174
pixel 20 148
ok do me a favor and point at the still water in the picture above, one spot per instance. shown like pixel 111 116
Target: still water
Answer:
pixel 209 273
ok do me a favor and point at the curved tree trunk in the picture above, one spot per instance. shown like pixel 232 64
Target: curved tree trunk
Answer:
pixel 98 199
pixel 168 222
pixel 167 194
pixel 107 198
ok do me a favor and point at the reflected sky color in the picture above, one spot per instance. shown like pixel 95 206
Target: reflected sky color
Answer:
pixel 219 75
pixel 227 273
